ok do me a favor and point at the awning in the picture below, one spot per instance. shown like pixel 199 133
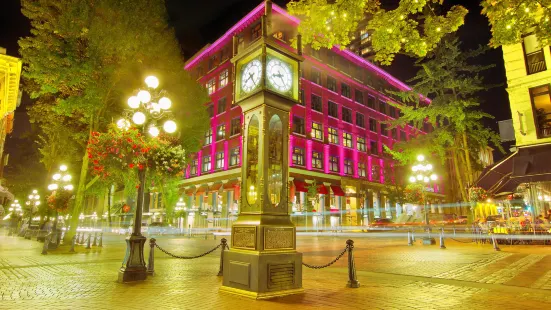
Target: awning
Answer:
pixel 493 175
pixel 215 187
pixel 300 186
pixel 337 190
pixel 201 190
pixel 231 184
pixel 190 191
pixel 322 189
pixel 532 164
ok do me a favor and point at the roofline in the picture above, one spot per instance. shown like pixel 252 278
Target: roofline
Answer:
pixel 343 52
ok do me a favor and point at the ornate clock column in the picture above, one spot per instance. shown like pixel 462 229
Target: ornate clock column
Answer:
pixel 263 261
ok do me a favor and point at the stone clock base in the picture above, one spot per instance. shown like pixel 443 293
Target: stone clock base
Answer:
pixel 262 275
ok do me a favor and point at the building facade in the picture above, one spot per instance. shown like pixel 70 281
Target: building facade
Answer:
pixel 338 134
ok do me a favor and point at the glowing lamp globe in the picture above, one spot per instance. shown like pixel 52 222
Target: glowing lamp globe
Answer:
pixel 31 196
pixel 426 179
pixel 165 103
pixel 420 157
pixel 414 168
pixel 57 176
pixel 153 131
pixel 63 168
pixel 152 81
pixel 69 187
pixel 429 167
pixel 419 177
pixel 134 102
pixel 169 126
pixel 37 197
pixel 433 177
pixel 138 118
pixel 52 187
pixel 35 191
pixel 412 179
pixel 67 178
pixel 144 96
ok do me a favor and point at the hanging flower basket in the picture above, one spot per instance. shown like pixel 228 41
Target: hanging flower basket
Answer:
pixel 477 194
pixel 413 194
pixel 59 200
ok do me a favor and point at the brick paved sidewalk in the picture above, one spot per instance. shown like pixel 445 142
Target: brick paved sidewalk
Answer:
pixel 392 276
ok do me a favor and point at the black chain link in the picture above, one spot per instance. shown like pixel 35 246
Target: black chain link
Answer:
pixel 188 257
pixel 462 241
pixel 328 264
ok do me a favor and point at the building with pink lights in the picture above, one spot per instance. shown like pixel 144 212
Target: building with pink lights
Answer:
pixel 338 134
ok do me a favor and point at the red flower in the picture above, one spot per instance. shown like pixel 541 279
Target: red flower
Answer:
pixel 131 165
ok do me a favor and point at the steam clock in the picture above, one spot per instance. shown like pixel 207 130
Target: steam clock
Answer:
pixel 263 261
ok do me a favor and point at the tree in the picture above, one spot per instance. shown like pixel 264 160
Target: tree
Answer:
pixel 511 19
pixel 395 184
pixel 90 55
pixel 452 82
pixel 413 27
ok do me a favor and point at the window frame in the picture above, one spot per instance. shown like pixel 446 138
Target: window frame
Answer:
pixel 236 156
pixel 302 126
pixel 332 107
pixel 361 144
pixel 317 161
pixel 346 139
pixel 205 162
pixel 333 85
pixel 219 160
pixel 332 135
pixel 318 103
pixel 334 164
pixel 317 133
pixel 298 157
pixel 223 78
pixel 208 136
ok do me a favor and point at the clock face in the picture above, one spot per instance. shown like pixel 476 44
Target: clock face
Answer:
pixel 279 75
pixel 250 78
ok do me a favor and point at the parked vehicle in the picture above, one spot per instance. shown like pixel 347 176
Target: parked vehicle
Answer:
pixel 381 224
pixel 160 228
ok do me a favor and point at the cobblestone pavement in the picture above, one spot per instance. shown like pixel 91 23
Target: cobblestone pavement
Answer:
pixel 392 276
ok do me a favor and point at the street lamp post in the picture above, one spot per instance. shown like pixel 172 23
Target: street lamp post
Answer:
pixel 33 203
pixel 61 182
pixel 15 209
pixel 148 108
pixel 180 205
pixel 424 175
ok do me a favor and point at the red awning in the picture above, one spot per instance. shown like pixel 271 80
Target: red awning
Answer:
pixel 201 190
pixel 322 189
pixel 189 191
pixel 231 184
pixel 300 186
pixel 215 187
pixel 337 190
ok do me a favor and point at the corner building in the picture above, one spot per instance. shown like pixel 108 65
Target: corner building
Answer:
pixel 337 135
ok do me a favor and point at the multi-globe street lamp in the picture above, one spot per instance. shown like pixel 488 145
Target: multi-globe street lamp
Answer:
pixel 61 183
pixel 147 110
pixel 424 175
pixel 33 203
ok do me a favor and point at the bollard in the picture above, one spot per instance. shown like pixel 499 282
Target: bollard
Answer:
pixel 46 243
pixel 352 281
pixel 151 260
pixel 496 247
pixel 224 245
pixel 442 246
pixel 88 241
pixel 73 241
pixel 100 240
pixel 189 231
pixel 82 238
pixel 410 243
pixel 413 235
pixel 95 238
pixel 454 230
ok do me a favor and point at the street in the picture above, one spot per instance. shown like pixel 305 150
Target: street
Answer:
pixel 392 276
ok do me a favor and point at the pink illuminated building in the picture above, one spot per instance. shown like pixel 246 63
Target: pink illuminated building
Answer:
pixel 338 133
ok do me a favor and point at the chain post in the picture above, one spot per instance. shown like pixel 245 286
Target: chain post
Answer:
pixel 442 246
pixel 46 244
pixel 151 260
pixel 95 238
pixel 88 241
pixel 412 235
pixel 410 243
pixel 73 240
pixel 100 240
pixel 223 244
pixel 352 280
pixel 496 247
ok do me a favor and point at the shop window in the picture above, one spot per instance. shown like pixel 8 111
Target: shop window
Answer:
pixel 541 105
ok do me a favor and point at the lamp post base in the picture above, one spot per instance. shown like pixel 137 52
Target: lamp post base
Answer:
pixel 133 267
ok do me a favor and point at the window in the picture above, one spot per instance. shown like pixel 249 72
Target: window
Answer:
pixel 332 108
pixel 302 100
pixel 208 137
pixel 533 55
pixel 317 160
pixel 224 54
pixel 193 167
pixel 210 110
pixel 345 90
pixel 213 62
pixel 234 156
pixel 298 156
pixel 220 160
pixel 373 125
pixel 394 134
pixel 221 132
pixel 316 53
pixel 541 106
pixel 359 96
pixel 382 106
pixel 371 102
pixel 235 126
pixel 403 136
pixel 222 105
pixel 384 130
pixel 333 164
pixel 316 103
pixel 280 35
pixel 392 112
pixel 257 29
pixel 331 59
pixel 211 86
pixel 374 147
pixel 348 167
pixel 317 131
pixel 375 172
pixel 346 115
pixel 361 170
pixel 360 120
pixel 200 71
pixel 360 143
pixel 364 34
pixel 223 78
pixel 206 163
pixel 331 84
pixel 316 76
pixel 346 139
pixel 333 135
pixel 298 125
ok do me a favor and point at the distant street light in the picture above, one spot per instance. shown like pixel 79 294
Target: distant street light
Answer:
pixel 423 174
pixel 147 110
pixel 61 183
pixel 33 203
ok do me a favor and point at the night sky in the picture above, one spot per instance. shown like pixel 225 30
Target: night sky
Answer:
pixel 200 22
